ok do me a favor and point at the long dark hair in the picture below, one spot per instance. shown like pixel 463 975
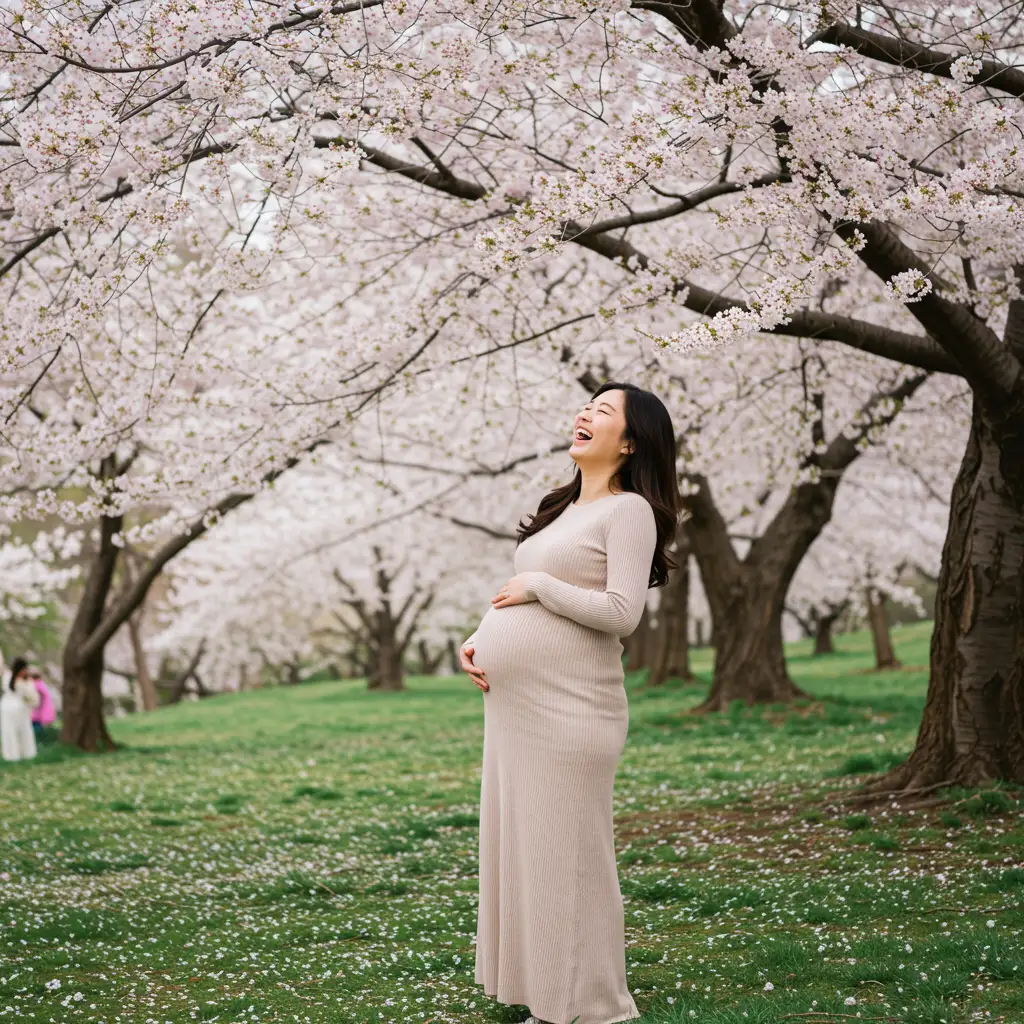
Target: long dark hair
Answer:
pixel 649 470
pixel 17 667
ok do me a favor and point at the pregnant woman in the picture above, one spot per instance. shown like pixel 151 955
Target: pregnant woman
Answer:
pixel 550 933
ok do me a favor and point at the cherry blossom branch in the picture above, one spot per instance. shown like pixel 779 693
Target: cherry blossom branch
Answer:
pixel 27 394
pixel 908 54
pixel 28 249
pixel 477 471
pixel 481 527
pixel 878 411
pixel 688 202
pixel 915 350
pixel 778 538
pixel 447 183
pixel 985 361
pixel 298 19
pixel 117 614
pixel 121 190
pixel 900 346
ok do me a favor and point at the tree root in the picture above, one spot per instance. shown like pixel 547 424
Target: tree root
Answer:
pixel 876 795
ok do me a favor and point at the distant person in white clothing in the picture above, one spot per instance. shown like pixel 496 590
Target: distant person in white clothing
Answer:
pixel 20 697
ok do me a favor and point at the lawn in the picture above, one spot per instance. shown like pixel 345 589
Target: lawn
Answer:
pixel 308 854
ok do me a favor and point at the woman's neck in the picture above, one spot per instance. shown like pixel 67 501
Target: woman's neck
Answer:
pixel 595 485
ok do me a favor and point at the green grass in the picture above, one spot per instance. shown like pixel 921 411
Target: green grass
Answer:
pixel 308 854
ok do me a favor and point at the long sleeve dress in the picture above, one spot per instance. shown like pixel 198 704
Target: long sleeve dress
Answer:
pixel 17 741
pixel 550 930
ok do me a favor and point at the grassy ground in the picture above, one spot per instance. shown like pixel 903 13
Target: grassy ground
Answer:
pixel 309 855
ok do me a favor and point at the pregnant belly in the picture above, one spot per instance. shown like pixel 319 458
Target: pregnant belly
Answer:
pixel 527 642
pixel 554 686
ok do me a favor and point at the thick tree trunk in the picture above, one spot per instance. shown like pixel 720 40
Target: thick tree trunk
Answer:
pixel 885 656
pixel 147 691
pixel 823 635
pixel 972 730
pixel 750 665
pixel 747 595
pixel 672 645
pixel 638 644
pixel 81 692
pixel 84 725
pixel 387 671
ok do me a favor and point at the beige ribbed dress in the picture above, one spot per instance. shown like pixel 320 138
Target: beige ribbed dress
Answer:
pixel 550 932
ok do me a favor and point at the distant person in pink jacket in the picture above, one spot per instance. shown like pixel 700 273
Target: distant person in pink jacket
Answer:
pixel 44 713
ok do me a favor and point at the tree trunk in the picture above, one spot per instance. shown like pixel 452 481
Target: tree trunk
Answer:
pixel 95 623
pixel 672 658
pixel 147 691
pixel 638 644
pixel 972 730
pixel 429 663
pixel 700 632
pixel 387 650
pixel 81 692
pixel 84 725
pixel 750 665
pixel 885 656
pixel 823 635
pixel 747 595
pixel 824 624
pixel 179 683
pixel 387 672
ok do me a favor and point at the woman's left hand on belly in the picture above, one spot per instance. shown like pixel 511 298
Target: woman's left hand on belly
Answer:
pixel 514 592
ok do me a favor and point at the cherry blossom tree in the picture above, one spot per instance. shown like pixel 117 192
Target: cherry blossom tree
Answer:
pixel 376 556
pixel 888 524
pixel 692 174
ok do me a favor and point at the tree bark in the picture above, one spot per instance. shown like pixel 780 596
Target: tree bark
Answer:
pixel 144 681
pixel 672 646
pixel 179 683
pixel 81 692
pixel 84 724
pixel 747 596
pixel 972 730
pixel 750 664
pixel 823 634
pixel 885 656
pixel 638 644
pixel 452 650
pixel 387 674
pixel 429 663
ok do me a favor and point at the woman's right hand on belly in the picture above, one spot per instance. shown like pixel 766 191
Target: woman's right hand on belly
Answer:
pixel 474 673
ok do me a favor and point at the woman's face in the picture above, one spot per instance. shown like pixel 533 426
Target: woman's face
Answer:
pixel 599 431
